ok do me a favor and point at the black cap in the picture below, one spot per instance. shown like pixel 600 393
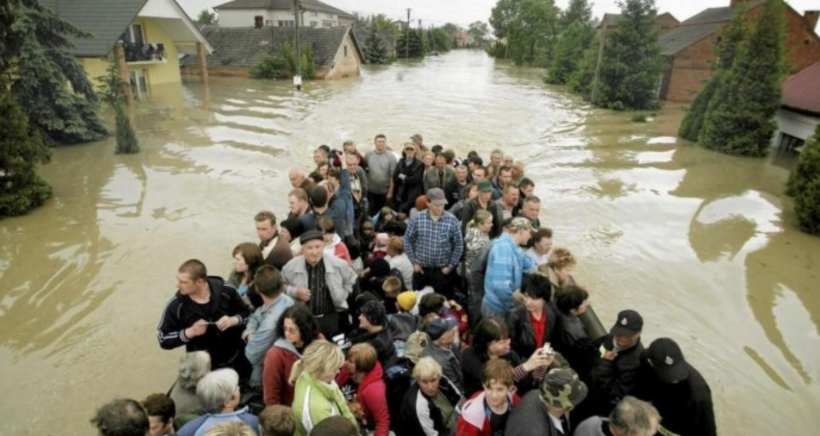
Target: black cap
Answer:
pixel 310 236
pixel 628 323
pixel 667 360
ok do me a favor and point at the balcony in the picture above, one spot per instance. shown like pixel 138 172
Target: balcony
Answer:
pixel 144 53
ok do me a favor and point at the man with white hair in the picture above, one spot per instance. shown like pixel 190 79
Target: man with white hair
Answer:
pixel 298 179
pixel 630 417
pixel 321 280
pixel 219 393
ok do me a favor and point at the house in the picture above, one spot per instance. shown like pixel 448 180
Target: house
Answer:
pixel 799 115
pixel 689 48
pixel 280 13
pixel 463 39
pixel 336 51
pixel 663 22
pixel 145 38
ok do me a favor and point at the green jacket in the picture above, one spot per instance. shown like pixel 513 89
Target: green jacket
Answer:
pixel 314 401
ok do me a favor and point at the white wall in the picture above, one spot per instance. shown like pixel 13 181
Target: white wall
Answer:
pixel 244 18
pixel 795 124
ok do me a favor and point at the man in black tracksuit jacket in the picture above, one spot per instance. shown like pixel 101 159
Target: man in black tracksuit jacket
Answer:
pixel 206 314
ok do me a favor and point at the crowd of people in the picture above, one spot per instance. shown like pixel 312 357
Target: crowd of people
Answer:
pixel 408 293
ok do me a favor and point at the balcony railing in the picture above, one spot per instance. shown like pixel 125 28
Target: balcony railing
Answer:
pixel 145 52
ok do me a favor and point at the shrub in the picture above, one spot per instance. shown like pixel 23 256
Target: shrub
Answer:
pixel 804 186
pixel 127 142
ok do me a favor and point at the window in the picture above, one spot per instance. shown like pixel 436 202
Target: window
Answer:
pixel 789 142
pixel 269 22
pixel 134 34
pixel 327 23
pixel 139 84
pixel 286 23
pixel 314 24
pixel 345 50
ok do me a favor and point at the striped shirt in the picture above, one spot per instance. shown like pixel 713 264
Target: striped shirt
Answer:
pixel 434 243
pixel 320 302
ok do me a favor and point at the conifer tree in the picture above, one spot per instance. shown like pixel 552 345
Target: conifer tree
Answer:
pixel 580 81
pixel 36 48
pixel 804 186
pixel 740 117
pixel 726 47
pixel 112 90
pixel 632 65
pixel 21 149
pixel 375 48
pixel 566 61
pixel 577 10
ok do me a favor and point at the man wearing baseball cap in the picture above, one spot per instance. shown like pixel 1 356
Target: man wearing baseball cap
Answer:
pixel 677 390
pixel 433 242
pixel 506 266
pixel 615 375
pixel 545 412
pixel 443 349
pixel 483 201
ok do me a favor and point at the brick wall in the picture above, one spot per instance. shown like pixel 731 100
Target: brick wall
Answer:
pixel 691 66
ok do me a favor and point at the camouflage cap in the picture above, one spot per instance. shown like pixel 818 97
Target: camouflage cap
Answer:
pixel 561 388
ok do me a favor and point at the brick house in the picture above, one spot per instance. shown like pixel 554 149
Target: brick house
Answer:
pixel 663 22
pixel 689 48
pixel 799 115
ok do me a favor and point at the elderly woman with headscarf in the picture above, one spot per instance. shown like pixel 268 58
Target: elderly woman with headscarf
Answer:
pixel 192 367
pixel 219 393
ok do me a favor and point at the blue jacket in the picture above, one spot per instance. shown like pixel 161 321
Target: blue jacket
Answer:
pixel 262 324
pixel 506 266
pixel 342 207
pixel 200 425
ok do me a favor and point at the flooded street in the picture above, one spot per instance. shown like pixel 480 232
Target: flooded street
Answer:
pixel 705 246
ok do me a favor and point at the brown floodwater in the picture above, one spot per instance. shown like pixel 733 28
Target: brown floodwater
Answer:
pixel 705 246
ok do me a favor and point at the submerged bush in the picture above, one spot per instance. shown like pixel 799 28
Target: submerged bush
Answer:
pixel 804 186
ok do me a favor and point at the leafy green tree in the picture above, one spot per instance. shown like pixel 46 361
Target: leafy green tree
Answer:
pixel 740 117
pixel 21 150
pixel 804 186
pixel 206 17
pixel 580 81
pixel 479 31
pixel 416 43
pixel 440 40
pixel 726 46
pixel 502 14
pixel 452 29
pixel 34 44
pixel 375 49
pixel 577 11
pixel 632 65
pixel 578 37
pixel 532 33
pixel 283 66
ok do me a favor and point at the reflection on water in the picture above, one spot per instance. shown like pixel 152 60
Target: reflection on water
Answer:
pixel 704 245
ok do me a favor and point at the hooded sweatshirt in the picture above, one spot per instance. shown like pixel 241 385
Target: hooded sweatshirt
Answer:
pixel 372 395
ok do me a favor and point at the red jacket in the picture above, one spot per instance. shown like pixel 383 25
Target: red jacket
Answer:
pixel 473 420
pixel 278 362
pixel 373 398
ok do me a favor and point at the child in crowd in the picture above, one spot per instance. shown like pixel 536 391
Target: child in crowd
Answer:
pixel 486 413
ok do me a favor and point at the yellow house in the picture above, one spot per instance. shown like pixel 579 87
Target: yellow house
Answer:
pixel 145 37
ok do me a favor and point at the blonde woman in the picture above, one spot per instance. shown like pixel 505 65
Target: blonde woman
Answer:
pixel 561 265
pixel 429 406
pixel 317 396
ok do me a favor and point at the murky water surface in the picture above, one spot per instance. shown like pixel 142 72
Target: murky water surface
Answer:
pixel 704 246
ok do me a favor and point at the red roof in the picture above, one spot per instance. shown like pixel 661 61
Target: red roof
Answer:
pixel 802 91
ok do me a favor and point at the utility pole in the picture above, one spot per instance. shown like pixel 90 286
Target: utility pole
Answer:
pixel 407 40
pixel 297 79
pixel 600 58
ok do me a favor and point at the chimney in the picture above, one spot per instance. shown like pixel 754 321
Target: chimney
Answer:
pixel 736 3
pixel 811 18
pixel 258 21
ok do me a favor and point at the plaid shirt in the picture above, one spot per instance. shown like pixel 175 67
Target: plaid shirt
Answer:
pixel 434 243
